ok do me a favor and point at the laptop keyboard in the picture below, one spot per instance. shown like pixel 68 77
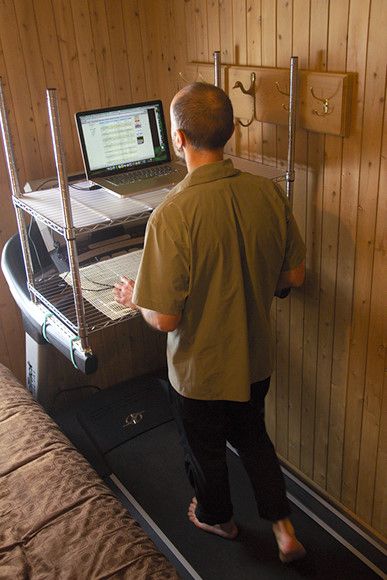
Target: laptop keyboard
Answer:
pixel 140 174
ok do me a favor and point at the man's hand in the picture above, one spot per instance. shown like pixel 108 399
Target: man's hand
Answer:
pixel 123 292
pixel 292 278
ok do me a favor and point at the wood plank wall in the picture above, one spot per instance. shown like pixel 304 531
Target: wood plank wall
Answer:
pixel 327 406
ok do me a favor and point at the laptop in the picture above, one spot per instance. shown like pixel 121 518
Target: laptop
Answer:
pixel 125 149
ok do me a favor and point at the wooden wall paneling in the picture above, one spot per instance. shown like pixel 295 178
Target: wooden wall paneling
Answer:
pixel 226 31
pixel 378 351
pixel 5 342
pixel 269 58
pixel 119 52
pixel 269 32
pixel 12 332
pixel 134 46
pixel 316 145
pixel 284 50
pixel 11 328
pixel 379 512
pixel 282 375
pixel 300 29
pixel 213 27
pixel 179 40
pixel 375 369
pixel 375 107
pixel 53 73
pixel 29 39
pixel 356 61
pixel 296 335
pixel 336 60
pixel 168 38
pixel 12 352
pixel 5 191
pixel 103 52
pixel 227 49
pixel 240 57
pixel 366 220
pixel 254 57
pixel 18 83
pixel 239 11
pixel 71 70
pixel 254 33
pixel 269 157
pixel 166 65
pixel 192 52
pixel 201 30
pixel 150 33
pixel 329 241
pixel 300 40
pixel 86 54
pixel 313 241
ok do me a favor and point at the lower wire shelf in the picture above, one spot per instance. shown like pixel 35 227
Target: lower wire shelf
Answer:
pixel 58 297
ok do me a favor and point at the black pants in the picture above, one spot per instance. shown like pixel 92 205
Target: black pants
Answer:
pixel 205 427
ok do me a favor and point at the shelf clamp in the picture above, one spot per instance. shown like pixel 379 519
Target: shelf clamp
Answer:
pixel 72 349
pixel 44 325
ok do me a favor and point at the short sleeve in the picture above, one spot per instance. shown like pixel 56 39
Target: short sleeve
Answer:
pixel 163 278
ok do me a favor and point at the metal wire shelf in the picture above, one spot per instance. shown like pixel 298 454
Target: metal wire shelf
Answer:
pixel 37 207
pixel 58 297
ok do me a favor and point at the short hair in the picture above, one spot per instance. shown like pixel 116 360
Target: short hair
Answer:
pixel 204 113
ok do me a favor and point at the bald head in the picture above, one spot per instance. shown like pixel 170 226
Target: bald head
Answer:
pixel 204 113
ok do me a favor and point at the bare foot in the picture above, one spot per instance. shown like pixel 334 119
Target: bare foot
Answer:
pixel 290 549
pixel 227 530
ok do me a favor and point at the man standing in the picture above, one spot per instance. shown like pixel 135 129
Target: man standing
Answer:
pixel 216 251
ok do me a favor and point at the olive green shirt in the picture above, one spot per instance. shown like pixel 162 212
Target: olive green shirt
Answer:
pixel 213 251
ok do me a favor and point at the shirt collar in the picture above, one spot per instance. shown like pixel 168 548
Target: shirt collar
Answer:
pixel 209 172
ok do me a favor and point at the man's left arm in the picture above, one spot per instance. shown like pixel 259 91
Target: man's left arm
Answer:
pixel 123 293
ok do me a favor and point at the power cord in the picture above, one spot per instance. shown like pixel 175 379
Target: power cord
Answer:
pixel 91 188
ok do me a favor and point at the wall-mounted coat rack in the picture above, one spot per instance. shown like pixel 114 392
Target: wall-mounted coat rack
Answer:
pixel 323 104
pixel 218 74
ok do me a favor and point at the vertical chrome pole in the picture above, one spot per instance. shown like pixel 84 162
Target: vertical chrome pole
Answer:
pixel 56 135
pixel 16 192
pixel 293 85
pixel 217 69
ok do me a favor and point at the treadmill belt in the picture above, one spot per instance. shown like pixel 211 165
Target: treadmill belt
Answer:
pixel 150 467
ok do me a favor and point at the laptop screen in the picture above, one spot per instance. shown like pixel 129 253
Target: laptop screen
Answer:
pixel 122 138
